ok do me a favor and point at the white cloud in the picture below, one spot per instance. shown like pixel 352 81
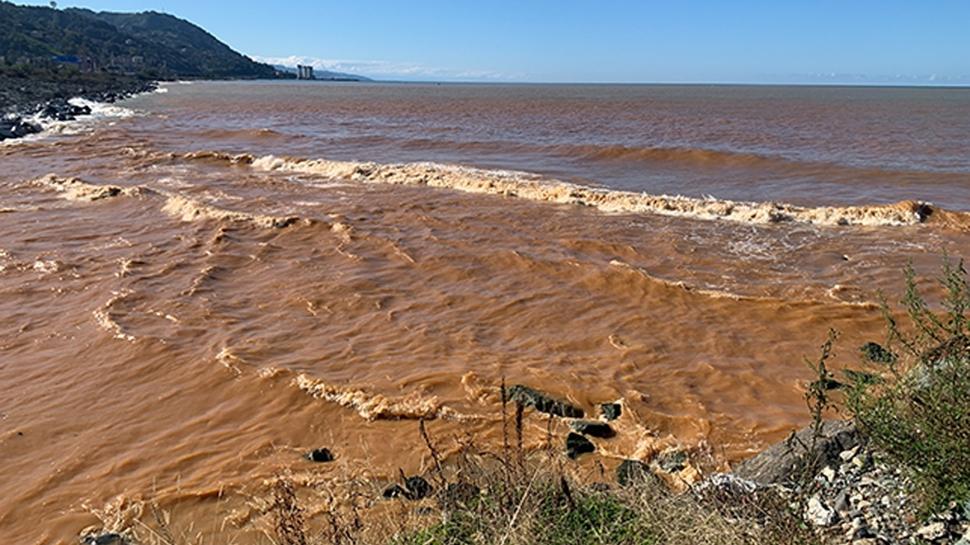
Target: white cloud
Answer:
pixel 379 69
pixel 874 79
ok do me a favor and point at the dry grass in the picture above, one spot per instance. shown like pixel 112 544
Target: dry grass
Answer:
pixel 531 499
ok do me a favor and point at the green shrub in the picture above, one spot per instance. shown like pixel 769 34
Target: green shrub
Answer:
pixel 595 519
pixel 915 407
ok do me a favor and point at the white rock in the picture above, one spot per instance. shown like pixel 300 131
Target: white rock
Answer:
pixel 828 473
pixel 847 455
pixel 932 531
pixel 818 513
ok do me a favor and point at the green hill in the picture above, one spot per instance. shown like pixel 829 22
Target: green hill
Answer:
pixel 151 44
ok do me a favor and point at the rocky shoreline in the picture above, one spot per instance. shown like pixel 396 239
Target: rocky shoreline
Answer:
pixel 27 103
pixel 849 493
pixel 830 477
pixel 827 480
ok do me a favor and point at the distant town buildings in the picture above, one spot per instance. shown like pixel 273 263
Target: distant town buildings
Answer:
pixel 304 72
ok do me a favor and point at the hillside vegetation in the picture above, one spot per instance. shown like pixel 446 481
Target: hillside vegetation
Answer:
pixel 150 44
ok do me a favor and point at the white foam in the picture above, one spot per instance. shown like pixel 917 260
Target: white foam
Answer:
pixel 529 186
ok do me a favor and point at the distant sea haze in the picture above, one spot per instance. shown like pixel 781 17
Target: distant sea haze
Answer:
pixel 203 284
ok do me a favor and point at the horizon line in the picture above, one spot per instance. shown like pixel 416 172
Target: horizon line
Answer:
pixel 370 79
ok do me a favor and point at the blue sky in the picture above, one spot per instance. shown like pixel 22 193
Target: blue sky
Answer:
pixel 836 41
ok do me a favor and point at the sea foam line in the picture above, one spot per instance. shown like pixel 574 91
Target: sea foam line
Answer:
pixel 176 205
pixel 529 186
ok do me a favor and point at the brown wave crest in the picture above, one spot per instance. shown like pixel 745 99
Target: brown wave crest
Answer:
pixel 373 406
pixel 678 154
pixel 176 205
pixel 534 187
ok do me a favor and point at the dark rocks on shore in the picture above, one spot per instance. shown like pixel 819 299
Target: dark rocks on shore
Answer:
pixel 15 127
pixel 106 538
pixel 632 472
pixel 320 455
pixel 62 110
pixel 394 491
pixel 20 97
pixel 418 487
pixel 543 403
pixel 875 353
pixel 577 445
pixel 610 411
pixel 672 461
pixel 592 428
pixel 414 488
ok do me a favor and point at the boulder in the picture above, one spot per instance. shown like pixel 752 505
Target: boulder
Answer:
pixel 592 428
pixel 577 445
pixel 394 491
pixel 415 488
pixel 25 128
pixel 632 472
pixel 17 128
pixel 106 538
pixel 543 402
pixel 820 514
pixel 58 109
pixel 875 353
pixel 610 411
pixel 784 462
pixel 672 461
pixel 320 455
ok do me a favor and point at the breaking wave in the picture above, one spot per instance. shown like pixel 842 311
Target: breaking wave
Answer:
pixel 74 189
pixel 176 205
pixel 103 316
pixel 188 209
pixel 372 406
pixel 534 187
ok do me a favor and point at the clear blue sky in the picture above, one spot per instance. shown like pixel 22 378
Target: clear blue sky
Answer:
pixel 914 41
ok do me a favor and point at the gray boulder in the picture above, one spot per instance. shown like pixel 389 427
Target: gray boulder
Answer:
pixel 543 402
pixel 633 472
pixel 786 462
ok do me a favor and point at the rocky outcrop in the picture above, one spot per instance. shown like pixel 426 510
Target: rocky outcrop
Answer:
pixel 22 99
pixel 859 500
pixel 610 411
pixel 846 492
pixel 786 462
pixel 592 428
pixel 62 110
pixel 577 445
pixel 17 127
pixel 543 402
